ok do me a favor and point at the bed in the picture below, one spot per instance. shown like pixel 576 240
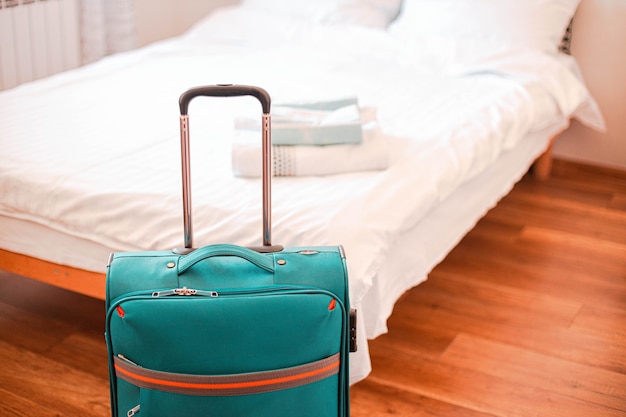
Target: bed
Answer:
pixel 466 97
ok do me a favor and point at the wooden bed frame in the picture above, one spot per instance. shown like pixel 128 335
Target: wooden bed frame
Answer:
pixel 92 284
pixel 73 279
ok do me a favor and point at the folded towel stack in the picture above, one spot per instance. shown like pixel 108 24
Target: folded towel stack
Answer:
pixel 313 139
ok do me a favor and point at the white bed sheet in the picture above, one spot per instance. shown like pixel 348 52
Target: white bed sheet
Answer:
pixel 92 154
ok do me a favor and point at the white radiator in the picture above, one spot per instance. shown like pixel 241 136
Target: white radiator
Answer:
pixel 37 38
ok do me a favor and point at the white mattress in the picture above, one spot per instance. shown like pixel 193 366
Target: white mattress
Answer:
pixel 90 157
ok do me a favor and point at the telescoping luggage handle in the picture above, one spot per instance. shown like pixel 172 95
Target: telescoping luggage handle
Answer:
pixel 227 90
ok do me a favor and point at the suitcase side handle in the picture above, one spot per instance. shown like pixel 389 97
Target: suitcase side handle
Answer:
pixel 227 90
pixel 262 261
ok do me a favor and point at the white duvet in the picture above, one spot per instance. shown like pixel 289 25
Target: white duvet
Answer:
pixel 94 153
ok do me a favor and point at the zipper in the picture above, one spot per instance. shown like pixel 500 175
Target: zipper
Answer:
pixel 184 291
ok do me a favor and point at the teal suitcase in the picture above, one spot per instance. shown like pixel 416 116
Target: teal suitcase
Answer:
pixel 225 330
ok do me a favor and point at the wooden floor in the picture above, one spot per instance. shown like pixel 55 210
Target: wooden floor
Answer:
pixel 526 317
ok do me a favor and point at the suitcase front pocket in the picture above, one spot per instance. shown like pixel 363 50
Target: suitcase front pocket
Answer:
pixel 300 390
pixel 261 352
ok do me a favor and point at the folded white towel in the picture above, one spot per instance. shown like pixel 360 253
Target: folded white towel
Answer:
pixel 369 155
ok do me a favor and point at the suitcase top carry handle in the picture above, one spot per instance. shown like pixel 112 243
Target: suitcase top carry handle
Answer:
pixel 262 261
pixel 227 90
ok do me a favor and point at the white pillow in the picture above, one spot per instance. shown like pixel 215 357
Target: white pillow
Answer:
pixel 537 24
pixel 371 13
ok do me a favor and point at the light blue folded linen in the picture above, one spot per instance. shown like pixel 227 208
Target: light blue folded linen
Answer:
pixel 313 123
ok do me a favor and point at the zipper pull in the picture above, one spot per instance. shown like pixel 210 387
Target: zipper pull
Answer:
pixel 133 411
pixel 165 293
pixel 125 359
pixel 184 292
pixel 175 291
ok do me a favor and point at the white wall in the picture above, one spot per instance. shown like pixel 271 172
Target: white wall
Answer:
pixel 599 44
pixel 162 19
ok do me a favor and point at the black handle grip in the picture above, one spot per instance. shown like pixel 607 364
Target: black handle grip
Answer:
pixel 224 90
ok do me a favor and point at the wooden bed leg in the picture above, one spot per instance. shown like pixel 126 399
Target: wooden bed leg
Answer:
pixel 542 167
